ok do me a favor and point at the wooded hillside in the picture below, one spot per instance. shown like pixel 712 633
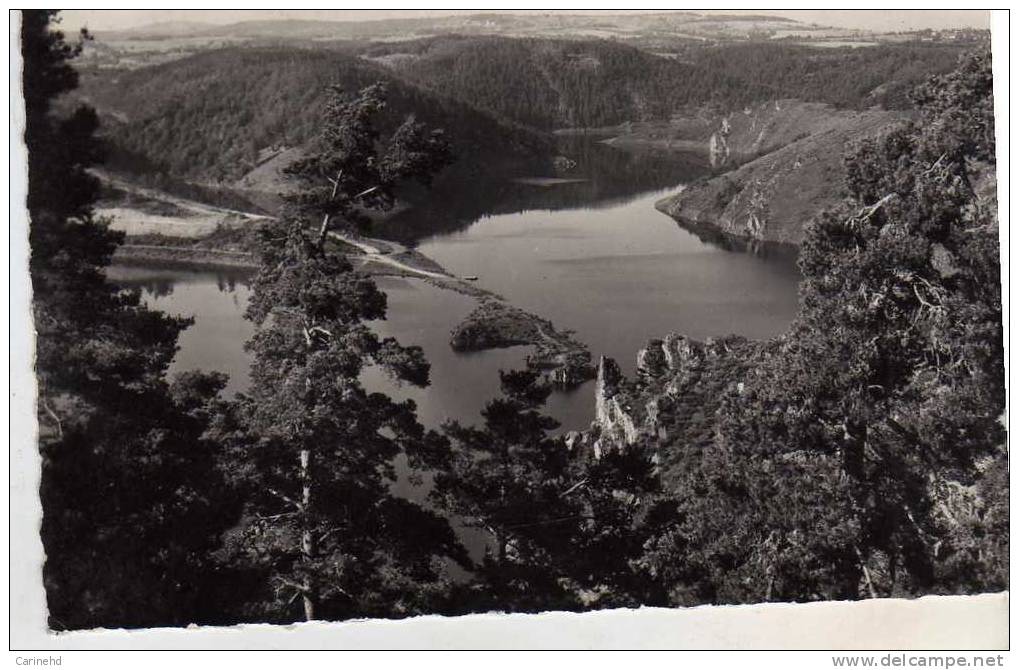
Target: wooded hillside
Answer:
pixel 211 116
pixel 570 83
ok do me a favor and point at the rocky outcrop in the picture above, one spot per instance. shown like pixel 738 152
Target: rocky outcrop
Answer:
pixel 773 197
pixel 736 137
pixel 759 129
pixel 616 419
pixel 779 163
pixel 718 146
pixel 671 403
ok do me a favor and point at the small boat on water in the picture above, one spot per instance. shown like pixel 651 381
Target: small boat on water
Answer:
pixel 471 278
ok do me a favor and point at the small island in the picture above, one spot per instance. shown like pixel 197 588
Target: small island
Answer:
pixel 494 324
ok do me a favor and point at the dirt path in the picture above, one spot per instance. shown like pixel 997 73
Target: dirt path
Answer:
pixel 194 220
pixel 384 256
pixel 183 203
pixel 204 215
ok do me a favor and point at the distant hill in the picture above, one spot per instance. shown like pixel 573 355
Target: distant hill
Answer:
pixel 590 83
pixel 158 30
pixel 561 83
pixel 795 148
pixel 617 26
pixel 846 77
pixel 234 116
pixel 213 116
pixel 661 32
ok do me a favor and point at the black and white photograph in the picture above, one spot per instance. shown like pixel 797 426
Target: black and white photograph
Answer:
pixel 372 315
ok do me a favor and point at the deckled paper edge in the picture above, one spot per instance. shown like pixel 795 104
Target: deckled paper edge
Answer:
pixel 933 622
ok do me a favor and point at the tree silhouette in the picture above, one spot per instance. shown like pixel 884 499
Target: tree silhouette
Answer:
pixel 315 450
pixel 562 526
pixel 128 483
pixel 861 456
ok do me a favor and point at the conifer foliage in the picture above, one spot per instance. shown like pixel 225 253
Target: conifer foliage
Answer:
pixel 314 450
pixel 563 527
pixel 865 455
pixel 861 454
pixel 126 476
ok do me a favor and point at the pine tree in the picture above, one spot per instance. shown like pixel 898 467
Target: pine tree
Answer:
pixel 861 457
pixel 127 481
pixel 316 450
pixel 561 526
pixel 910 327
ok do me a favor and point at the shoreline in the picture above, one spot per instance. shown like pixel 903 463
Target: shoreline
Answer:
pixel 708 230
pixel 187 239
pixel 154 255
pixel 566 359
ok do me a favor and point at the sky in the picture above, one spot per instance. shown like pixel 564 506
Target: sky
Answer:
pixel 878 20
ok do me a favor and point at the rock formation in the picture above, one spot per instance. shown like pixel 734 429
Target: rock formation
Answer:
pixel 671 404
pixel 718 145
pixel 795 152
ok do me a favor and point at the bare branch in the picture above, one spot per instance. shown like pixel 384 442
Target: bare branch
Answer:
pixel 365 192
pixel 301 588
pixel 52 414
pixel 274 517
pixel 866 573
pixel 285 498
pixel 573 488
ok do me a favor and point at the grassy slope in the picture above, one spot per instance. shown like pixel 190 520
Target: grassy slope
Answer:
pixel 773 197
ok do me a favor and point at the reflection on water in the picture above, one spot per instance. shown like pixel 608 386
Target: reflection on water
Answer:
pixel 461 383
pixel 621 275
pixel 418 314
pixel 216 299
pixel 594 257
pixel 607 177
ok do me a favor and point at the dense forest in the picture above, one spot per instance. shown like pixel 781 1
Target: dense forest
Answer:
pixel 847 77
pixel 563 83
pixel 210 116
pixel 860 455
pixel 216 115
pixel 128 487
pixel 569 83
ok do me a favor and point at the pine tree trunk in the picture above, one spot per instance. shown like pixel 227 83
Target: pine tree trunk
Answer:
pixel 307 539
pixel 309 604
pixel 855 433
pixel 500 548
pixel 853 440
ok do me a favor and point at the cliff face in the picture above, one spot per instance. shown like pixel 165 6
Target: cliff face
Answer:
pixel 796 174
pixel 618 422
pixel 671 404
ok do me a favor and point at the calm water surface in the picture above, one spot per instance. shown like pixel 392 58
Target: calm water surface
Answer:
pixel 586 255
pixel 418 314
pixel 618 272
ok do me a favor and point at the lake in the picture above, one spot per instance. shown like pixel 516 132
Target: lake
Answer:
pixel 613 269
